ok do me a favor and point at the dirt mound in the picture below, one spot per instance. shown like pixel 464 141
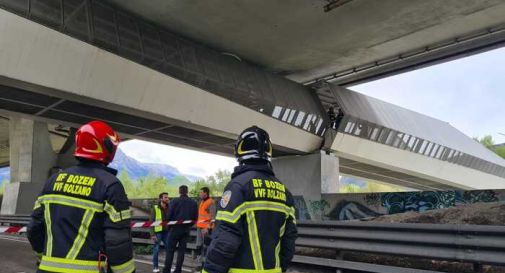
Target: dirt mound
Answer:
pixel 473 214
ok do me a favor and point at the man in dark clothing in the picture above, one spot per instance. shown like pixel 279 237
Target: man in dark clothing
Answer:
pixel 159 233
pixel 181 209
pixel 256 229
pixel 82 212
pixel 339 117
pixel 332 117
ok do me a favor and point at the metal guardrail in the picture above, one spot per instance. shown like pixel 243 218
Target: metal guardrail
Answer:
pixel 462 243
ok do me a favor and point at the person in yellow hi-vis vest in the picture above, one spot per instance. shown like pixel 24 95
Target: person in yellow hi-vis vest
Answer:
pixel 204 225
pixel 159 233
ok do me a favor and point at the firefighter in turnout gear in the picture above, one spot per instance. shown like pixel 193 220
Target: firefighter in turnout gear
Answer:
pixel 81 219
pixel 256 228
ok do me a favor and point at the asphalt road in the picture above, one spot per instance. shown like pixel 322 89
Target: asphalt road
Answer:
pixel 16 256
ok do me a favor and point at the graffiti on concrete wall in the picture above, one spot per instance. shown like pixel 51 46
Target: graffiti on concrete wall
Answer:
pixel 363 205
pixel 301 210
pixel 357 206
pixel 469 197
pixel 350 210
pixel 318 208
pixel 417 201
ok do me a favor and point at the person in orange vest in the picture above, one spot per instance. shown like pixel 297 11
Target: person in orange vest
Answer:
pixel 206 213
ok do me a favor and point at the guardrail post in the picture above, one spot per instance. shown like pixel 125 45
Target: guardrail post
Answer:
pixel 478 268
pixel 339 256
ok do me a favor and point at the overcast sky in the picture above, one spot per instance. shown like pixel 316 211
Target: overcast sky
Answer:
pixel 468 93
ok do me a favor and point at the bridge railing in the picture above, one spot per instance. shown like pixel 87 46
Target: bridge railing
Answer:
pixel 477 244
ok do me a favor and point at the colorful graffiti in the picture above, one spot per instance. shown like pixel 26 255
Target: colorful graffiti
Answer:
pixel 318 208
pixel 417 201
pixel 302 212
pixel 357 206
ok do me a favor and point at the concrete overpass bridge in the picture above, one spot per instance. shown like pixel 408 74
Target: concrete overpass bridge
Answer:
pixel 96 60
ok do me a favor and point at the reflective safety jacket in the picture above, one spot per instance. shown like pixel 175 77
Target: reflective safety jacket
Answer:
pixel 82 211
pixel 256 229
pixel 159 215
pixel 206 213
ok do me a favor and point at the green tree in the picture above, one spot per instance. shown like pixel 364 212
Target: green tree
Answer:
pixel 489 143
pixel 128 184
pixel 216 183
pixel 222 179
pixel 373 186
pixel 500 151
pixel 195 189
pixel 3 185
pixel 151 186
pixel 350 188
pixel 179 180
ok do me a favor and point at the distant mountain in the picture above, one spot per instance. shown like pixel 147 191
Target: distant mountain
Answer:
pixel 137 169
pixel 180 180
pixel 193 178
pixel 5 174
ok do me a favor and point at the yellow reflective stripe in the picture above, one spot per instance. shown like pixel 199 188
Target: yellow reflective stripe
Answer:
pixel 37 204
pixel 54 264
pixel 254 240
pixel 127 267
pixel 70 201
pixel 278 247
pixel 116 216
pixel 126 214
pixel 242 270
pixel 277 254
pixel 158 217
pixel 49 229
pixel 235 215
pixel 292 214
pixel 82 233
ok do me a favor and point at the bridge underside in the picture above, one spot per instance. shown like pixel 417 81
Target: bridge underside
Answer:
pixel 73 113
pixel 58 79
pixel 354 42
pixel 368 171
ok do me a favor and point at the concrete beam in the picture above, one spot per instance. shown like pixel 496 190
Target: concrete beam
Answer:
pixel 308 175
pixel 68 68
pixel 383 156
pixel 31 159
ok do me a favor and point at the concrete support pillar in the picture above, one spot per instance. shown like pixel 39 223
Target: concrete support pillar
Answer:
pixel 309 176
pixel 31 159
pixel 66 156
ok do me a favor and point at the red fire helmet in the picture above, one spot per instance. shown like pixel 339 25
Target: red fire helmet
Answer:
pixel 97 141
